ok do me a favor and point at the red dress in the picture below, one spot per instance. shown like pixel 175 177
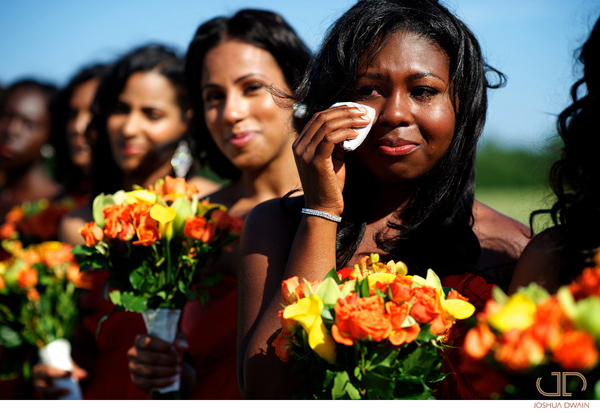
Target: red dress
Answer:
pixel 212 340
pixel 478 291
pixel 109 374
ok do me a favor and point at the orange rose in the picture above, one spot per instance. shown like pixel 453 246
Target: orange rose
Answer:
pixel 397 314
pixel 549 323
pixel 576 351
pixel 588 283
pixel 32 294
pixel 30 257
pixel 290 292
pixel 91 233
pixel 114 218
pixel 440 325
pixel 2 283
pixel 53 257
pixel 174 188
pixel 7 230
pixel 195 227
pixel 236 225
pixel 283 346
pixel 147 234
pixel 425 304
pixel 519 350
pixel 360 319
pixel 400 290
pixel 81 279
pixel 221 219
pixel 27 277
pixel 479 341
pixel 289 325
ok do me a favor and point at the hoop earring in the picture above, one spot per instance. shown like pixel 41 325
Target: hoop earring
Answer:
pixel 182 159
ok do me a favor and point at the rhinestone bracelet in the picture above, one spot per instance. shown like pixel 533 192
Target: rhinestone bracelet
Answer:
pixel 321 214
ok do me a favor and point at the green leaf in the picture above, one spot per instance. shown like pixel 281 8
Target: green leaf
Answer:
pixel 132 302
pixel 379 386
pixel 333 275
pixel 83 250
pixel 9 338
pixel 340 382
pixel 499 296
pixel 363 287
pixel 211 279
pixel 115 297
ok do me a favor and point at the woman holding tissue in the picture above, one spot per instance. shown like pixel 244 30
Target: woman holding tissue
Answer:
pixel 405 193
pixel 235 67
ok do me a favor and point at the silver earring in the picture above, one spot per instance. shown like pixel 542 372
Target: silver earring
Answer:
pixel 299 110
pixel 47 151
pixel 182 159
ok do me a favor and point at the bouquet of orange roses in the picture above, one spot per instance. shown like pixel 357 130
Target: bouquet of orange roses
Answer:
pixel 39 287
pixel 376 334
pixel 156 244
pixel 537 344
pixel 36 221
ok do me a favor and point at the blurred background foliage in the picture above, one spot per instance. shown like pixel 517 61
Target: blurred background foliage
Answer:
pixel 514 180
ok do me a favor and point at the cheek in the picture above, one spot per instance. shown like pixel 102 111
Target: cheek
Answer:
pixel 438 128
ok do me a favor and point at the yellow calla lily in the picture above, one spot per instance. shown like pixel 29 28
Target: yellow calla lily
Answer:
pixel 455 309
pixel 140 196
pixel 381 277
pixel 519 313
pixel 164 216
pixel 307 313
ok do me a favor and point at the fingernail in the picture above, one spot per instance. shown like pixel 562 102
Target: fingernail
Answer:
pixel 366 118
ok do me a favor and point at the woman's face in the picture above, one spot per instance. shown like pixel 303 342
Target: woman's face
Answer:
pixel 78 119
pixel 407 85
pixel 244 120
pixel 146 114
pixel 24 127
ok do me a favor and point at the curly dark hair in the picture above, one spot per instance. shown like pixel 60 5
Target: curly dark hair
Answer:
pixel 263 29
pixel 436 229
pixel 575 176
pixel 106 175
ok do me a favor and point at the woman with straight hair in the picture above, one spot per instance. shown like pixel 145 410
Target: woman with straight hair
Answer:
pixel 236 68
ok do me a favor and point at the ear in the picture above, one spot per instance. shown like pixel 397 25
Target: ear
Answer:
pixel 188 116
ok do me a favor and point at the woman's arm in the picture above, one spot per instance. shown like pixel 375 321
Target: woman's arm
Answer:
pixel 270 254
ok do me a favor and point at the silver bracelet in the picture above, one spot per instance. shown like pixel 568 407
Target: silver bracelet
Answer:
pixel 321 214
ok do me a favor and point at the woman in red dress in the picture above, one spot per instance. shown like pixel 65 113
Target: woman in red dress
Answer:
pixel 234 66
pixel 406 193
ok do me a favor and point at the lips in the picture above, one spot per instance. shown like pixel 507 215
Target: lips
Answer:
pixel 396 147
pixel 241 139
pixel 131 150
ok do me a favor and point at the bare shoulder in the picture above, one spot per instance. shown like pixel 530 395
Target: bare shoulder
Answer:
pixel 204 185
pixel 68 229
pixel 499 232
pixel 540 262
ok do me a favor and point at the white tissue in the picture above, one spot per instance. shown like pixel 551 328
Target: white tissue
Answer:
pixel 352 144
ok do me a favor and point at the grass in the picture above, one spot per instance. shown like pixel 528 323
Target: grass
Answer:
pixel 518 202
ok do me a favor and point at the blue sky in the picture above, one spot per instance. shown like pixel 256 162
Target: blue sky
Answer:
pixel 532 41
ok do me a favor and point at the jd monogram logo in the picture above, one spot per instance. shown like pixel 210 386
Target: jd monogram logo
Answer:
pixel 563 382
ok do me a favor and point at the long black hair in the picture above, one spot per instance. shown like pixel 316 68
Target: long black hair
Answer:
pixel 575 176
pixel 263 29
pixel 106 175
pixel 66 172
pixel 435 229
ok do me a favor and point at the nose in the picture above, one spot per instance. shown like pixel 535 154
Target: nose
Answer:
pixel 131 125
pixel 81 122
pixel 14 125
pixel 396 111
pixel 235 108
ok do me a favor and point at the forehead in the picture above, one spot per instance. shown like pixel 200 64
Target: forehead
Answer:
pixel 408 51
pixel 148 86
pixel 233 59
pixel 28 102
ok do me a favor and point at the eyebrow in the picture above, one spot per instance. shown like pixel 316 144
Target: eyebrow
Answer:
pixel 414 76
pixel 236 81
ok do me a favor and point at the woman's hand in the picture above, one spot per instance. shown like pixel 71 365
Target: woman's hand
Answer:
pixel 155 363
pixel 44 375
pixel 320 160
